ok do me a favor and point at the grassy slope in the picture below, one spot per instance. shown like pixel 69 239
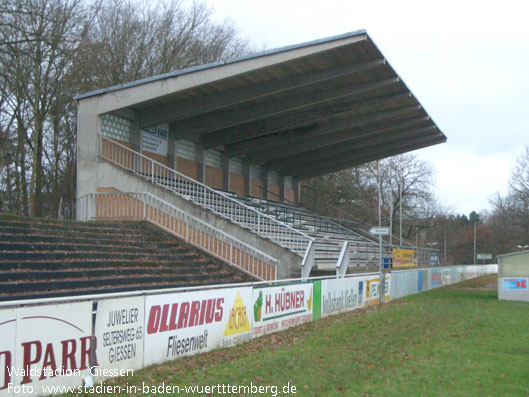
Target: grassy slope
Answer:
pixel 457 340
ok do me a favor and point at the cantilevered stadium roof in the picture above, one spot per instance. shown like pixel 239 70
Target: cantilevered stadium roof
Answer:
pixel 303 110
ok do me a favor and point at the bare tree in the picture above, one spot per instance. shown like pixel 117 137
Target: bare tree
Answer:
pixel 404 179
pixel 132 40
pixel 51 50
pixel 519 182
pixel 42 35
pixel 510 214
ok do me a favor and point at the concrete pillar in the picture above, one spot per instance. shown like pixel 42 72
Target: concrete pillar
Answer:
pixel 297 191
pixel 201 160
pixel 171 146
pixel 247 178
pixel 281 188
pixel 135 135
pixel 265 185
pixel 225 165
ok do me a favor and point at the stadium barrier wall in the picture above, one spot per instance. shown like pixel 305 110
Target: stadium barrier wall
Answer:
pixel 85 340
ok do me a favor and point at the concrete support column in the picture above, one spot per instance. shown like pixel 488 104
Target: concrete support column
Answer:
pixel 225 166
pixel 282 188
pixel 171 146
pixel 247 178
pixel 135 135
pixel 201 160
pixel 265 185
pixel 297 191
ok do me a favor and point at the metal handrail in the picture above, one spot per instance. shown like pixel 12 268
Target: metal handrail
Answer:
pixel 215 201
pixel 193 230
pixel 366 250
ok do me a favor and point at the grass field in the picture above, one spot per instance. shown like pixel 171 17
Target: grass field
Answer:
pixel 457 340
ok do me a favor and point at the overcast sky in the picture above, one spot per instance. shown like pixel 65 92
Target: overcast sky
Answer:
pixel 467 62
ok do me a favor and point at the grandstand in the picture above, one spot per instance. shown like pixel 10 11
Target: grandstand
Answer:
pixel 214 155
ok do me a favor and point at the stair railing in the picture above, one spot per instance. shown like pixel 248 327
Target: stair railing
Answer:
pixel 215 201
pixel 215 242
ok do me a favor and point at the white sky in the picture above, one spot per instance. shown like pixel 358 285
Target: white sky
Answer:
pixel 467 62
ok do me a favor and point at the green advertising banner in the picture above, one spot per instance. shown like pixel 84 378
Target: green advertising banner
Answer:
pixel 316 310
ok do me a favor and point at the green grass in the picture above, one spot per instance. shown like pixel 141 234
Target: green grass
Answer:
pixel 458 340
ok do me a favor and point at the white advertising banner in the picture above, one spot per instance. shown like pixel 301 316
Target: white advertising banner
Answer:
pixel 182 324
pixel 119 332
pixel 278 308
pixel 8 328
pixel 341 295
pixel 53 347
pixel 154 139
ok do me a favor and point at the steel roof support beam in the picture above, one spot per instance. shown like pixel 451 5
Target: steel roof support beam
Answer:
pixel 189 107
pixel 207 123
pixel 370 158
pixel 334 163
pixel 290 121
pixel 288 137
pixel 341 136
pixel 355 144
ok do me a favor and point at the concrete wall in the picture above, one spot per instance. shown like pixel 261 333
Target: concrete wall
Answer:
pixel 187 167
pixel 214 177
pixel 274 192
pixel 237 184
pixel 157 157
pixel 290 196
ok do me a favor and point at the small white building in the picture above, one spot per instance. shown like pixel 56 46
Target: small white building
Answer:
pixel 513 276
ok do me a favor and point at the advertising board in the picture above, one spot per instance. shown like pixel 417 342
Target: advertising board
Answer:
pixel 8 328
pixel 154 139
pixel 187 323
pixel 404 258
pixel 340 295
pixel 434 258
pixel 515 284
pixel 372 289
pixel 120 334
pixel 278 308
pixel 445 276
pixel 52 347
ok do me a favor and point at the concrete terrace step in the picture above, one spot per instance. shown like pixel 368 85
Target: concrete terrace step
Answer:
pixel 11 287
pixel 111 266
pixel 101 227
pixel 39 235
pixel 28 294
pixel 43 272
pixel 75 246
pixel 41 258
pixel 51 255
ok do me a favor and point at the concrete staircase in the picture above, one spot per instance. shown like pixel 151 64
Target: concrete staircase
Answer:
pixel 47 258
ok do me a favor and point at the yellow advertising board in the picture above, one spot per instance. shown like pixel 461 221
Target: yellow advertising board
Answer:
pixel 404 258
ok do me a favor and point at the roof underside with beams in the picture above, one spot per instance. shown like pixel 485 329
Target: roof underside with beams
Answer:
pixel 304 110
